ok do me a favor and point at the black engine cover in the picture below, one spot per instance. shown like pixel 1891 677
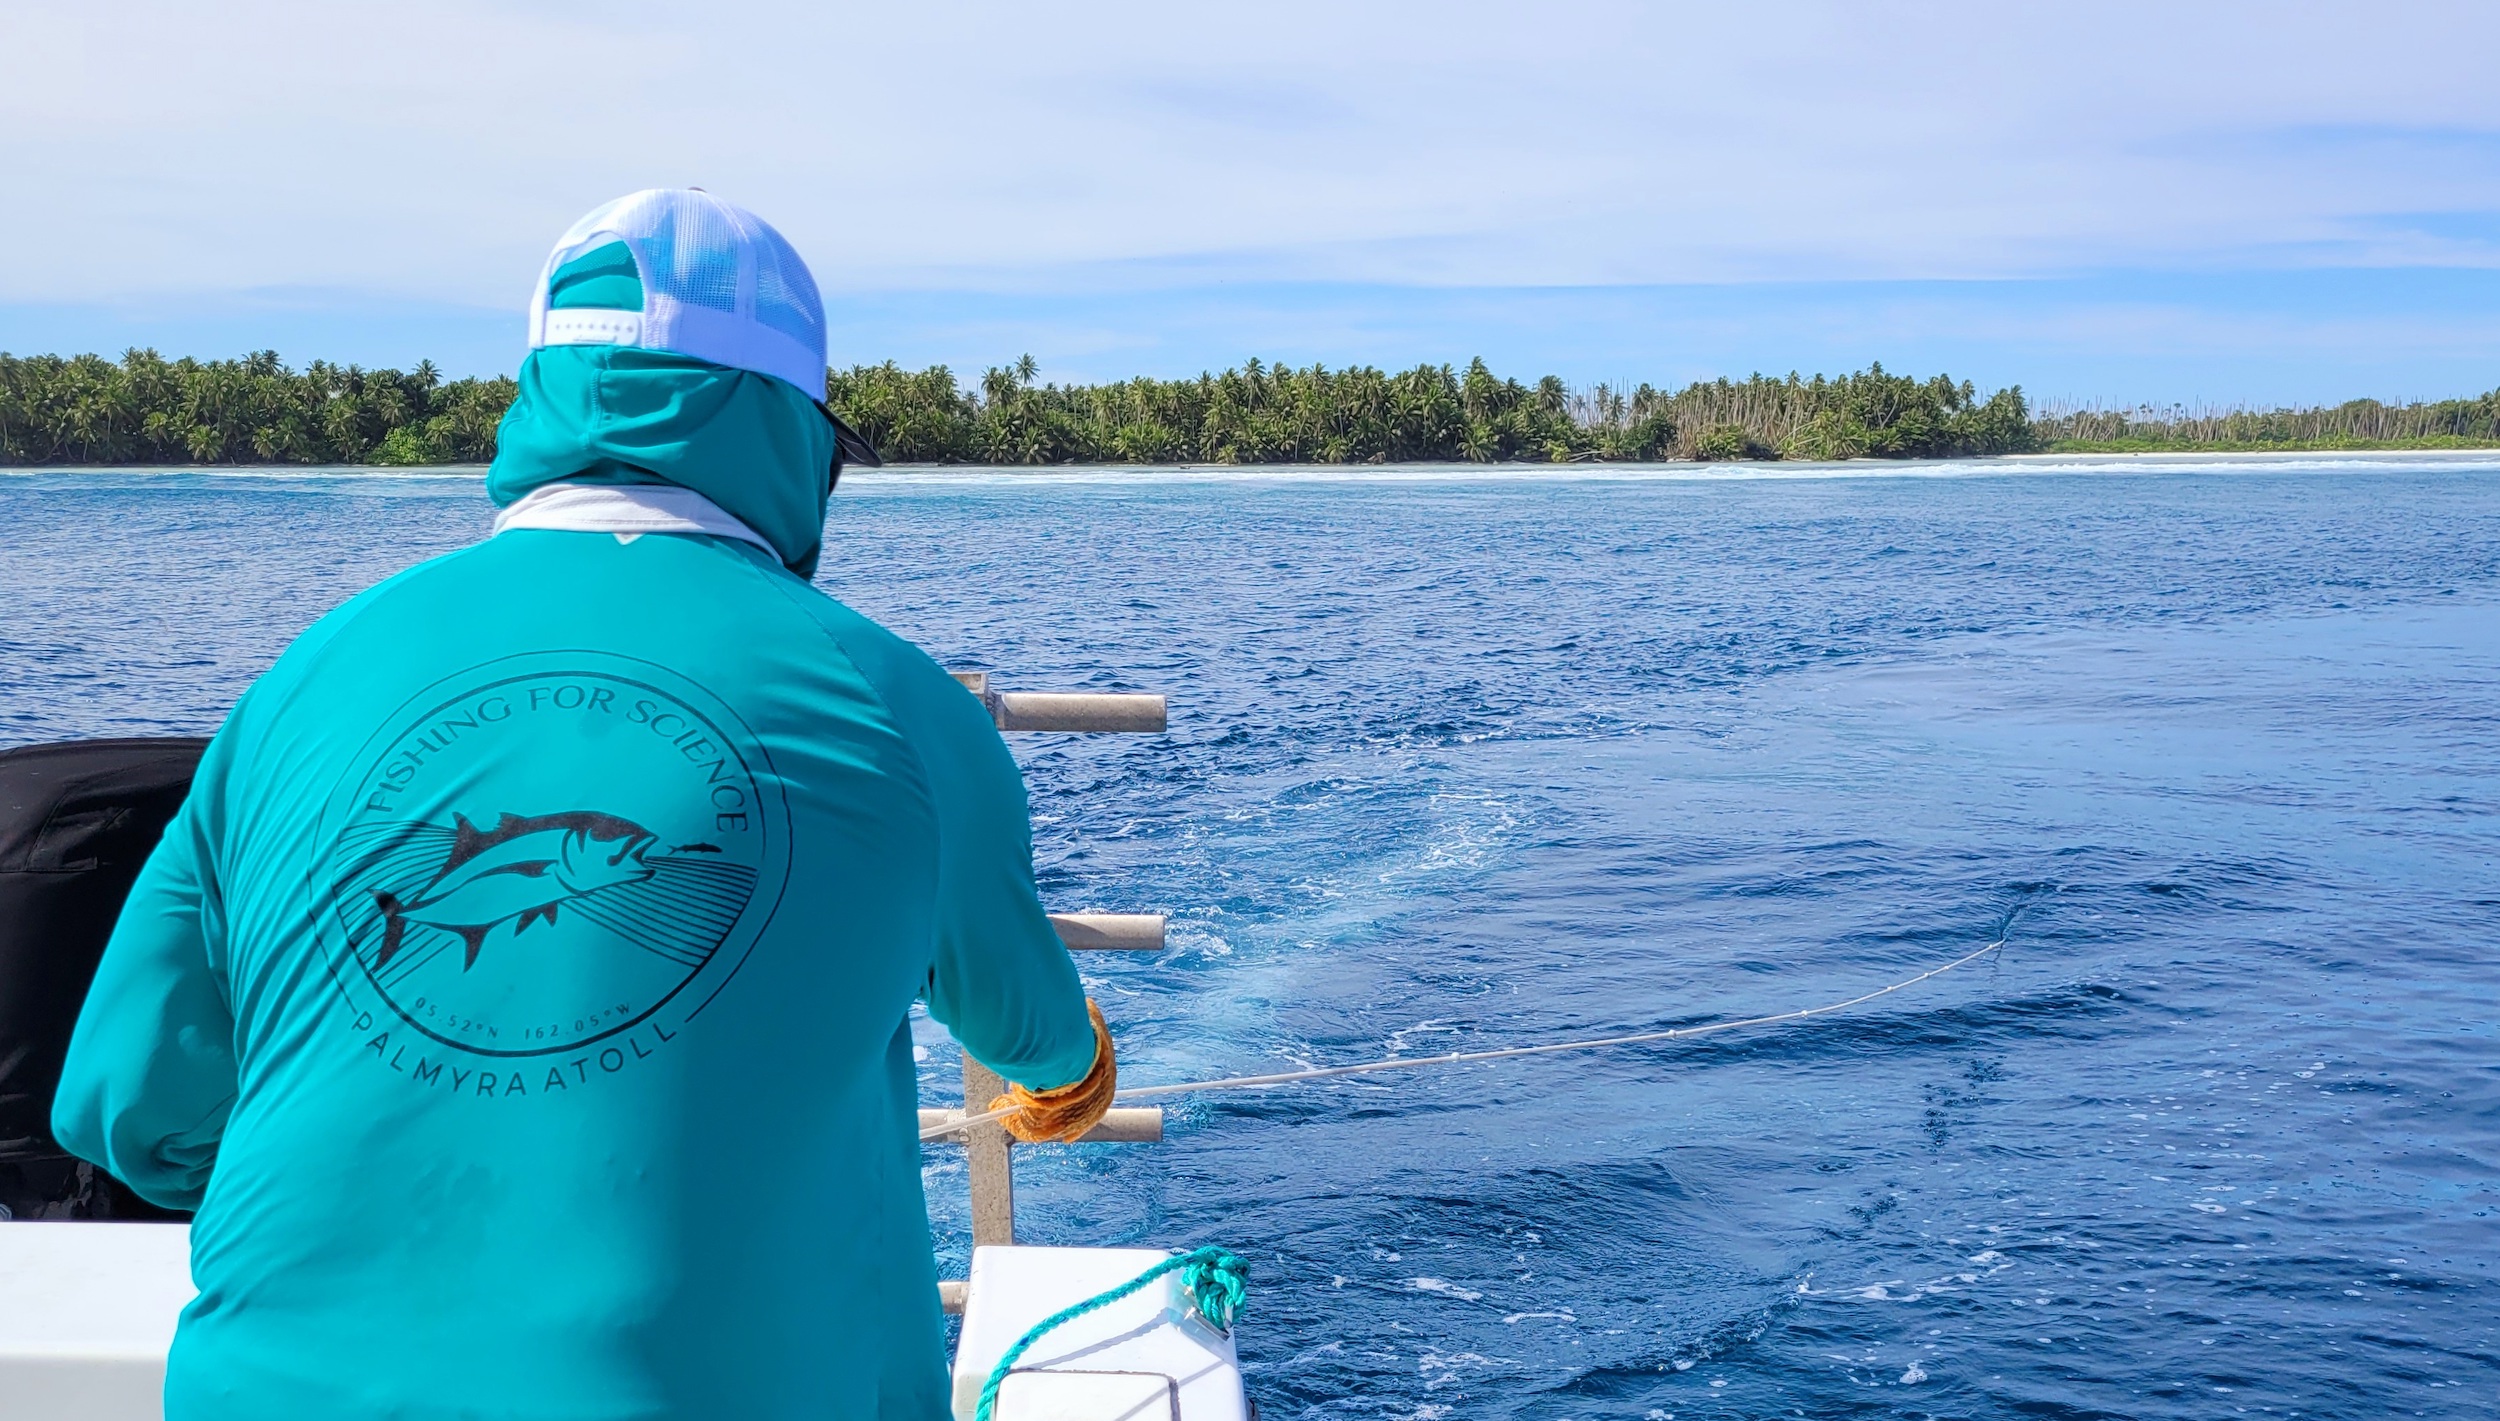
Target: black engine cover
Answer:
pixel 76 822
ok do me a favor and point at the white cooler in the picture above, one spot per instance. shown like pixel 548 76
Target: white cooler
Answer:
pixel 1143 1358
pixel 86 1313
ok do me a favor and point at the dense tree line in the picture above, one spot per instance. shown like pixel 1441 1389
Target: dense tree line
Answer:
pixel 145 409
pixel 2354 424
pixel 1274 415
pixel 149 410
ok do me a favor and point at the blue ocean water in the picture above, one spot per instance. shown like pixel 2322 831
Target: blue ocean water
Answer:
pixel 1478 759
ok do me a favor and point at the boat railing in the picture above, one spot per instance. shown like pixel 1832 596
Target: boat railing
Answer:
pixel 988 1149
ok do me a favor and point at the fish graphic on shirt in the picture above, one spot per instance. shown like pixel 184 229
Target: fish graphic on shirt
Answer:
pixel 520 871
pixel 406 881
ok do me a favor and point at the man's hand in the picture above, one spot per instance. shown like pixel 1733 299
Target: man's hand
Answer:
pixel 1062 1115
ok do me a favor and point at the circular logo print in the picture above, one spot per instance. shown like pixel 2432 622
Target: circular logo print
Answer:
pixel 550 850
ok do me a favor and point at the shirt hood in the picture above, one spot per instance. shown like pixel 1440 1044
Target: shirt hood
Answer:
pixel 751 443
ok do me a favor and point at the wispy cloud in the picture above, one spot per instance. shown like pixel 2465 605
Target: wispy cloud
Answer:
pixel 1051 157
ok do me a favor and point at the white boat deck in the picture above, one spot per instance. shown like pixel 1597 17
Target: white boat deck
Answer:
pixel 87 1311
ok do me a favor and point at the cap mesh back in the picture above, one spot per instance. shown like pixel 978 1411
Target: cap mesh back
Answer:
pixel 718 283
pixel 691 254
pixel 785 295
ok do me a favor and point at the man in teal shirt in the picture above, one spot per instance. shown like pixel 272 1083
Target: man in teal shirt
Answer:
pixel 520 995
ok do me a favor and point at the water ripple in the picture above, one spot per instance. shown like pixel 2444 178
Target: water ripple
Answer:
pixel 1466 758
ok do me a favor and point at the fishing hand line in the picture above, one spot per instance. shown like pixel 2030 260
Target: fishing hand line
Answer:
pixel 1506 1053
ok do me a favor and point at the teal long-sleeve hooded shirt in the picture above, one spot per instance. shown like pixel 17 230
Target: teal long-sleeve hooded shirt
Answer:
pixel 520 995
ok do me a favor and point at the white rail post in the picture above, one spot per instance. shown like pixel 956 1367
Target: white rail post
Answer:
pixel 1096 711
pixel 985 1160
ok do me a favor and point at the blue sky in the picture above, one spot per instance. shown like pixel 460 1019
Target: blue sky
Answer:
pixel 2207 202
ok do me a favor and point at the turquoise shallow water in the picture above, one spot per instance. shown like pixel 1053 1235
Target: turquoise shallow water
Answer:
pixel 1470 760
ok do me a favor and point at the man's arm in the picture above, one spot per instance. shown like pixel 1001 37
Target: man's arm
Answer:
pixel 1001 981
pixel 150 1074
pixel 999 977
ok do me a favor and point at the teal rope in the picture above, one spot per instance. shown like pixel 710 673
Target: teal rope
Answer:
pixel 1217 1279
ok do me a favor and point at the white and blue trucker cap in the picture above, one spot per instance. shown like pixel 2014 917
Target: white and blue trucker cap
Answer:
pixel 718 283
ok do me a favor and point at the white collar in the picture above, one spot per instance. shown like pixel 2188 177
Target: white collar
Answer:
pixel 627 510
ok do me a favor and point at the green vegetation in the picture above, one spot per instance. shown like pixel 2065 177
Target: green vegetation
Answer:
pixel 149 410
pixel 1280 415
pixel 2355 424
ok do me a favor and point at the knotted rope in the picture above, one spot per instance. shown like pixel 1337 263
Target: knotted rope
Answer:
pixel 1216 1279
pixel 1064 1115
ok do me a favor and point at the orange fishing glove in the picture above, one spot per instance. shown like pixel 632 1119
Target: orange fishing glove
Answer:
pixel 1044 1116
